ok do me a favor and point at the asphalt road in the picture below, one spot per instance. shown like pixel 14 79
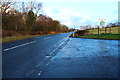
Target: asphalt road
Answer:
pixel 85 58
pixel 58 56
pixel 25 58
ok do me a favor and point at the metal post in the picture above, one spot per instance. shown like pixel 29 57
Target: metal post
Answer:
pixel 110 30
pixel 98 30
pixel 105 30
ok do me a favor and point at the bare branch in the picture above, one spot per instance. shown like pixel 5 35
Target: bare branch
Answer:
pixel 5 5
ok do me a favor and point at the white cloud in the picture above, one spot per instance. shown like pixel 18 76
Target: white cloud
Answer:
pixel 68 17
pixel 71 17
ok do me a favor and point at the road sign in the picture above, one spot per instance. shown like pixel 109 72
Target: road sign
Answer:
pixel 102 23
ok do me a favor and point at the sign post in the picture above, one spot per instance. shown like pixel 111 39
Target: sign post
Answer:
pixel 102 24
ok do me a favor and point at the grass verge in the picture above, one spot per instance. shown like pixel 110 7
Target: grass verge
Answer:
pixel 102 36
pixel 14 38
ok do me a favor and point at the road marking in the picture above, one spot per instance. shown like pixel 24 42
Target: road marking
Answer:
pixel 6 49
pixel 48 56
pixel 59 45
pixel 53 51
pixel 14 47
pixel 19 46
pixel 56 48
pixel 52 59
pixel 39 73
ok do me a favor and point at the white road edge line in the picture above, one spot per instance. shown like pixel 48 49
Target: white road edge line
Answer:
pixel 57 48
pixel 59 45
pixel 19 46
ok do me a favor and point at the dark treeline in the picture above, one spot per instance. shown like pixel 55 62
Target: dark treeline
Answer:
pixel 27 17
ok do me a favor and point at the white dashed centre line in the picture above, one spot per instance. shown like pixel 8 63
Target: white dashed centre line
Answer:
pixel 19 46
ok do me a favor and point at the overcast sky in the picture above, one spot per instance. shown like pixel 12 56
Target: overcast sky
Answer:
pixel 74 13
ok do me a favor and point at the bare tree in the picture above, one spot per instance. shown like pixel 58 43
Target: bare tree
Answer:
pixel 5 5
pixel 31 6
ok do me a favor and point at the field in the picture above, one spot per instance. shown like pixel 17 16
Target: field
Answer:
pixel 110 30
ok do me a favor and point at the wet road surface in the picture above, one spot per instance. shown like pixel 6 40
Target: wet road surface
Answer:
pixel 23 58
pixel 58 56
pixel 84 58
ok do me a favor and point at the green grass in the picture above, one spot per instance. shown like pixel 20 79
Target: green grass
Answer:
pixel 102 36
pixel 9 39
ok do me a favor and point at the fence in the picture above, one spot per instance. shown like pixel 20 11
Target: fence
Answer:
pixel 108 30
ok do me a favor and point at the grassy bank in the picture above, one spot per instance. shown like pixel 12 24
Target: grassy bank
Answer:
pixel 14 38
pixel 102 36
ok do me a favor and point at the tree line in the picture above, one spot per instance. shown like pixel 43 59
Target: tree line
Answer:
pixel 28 17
